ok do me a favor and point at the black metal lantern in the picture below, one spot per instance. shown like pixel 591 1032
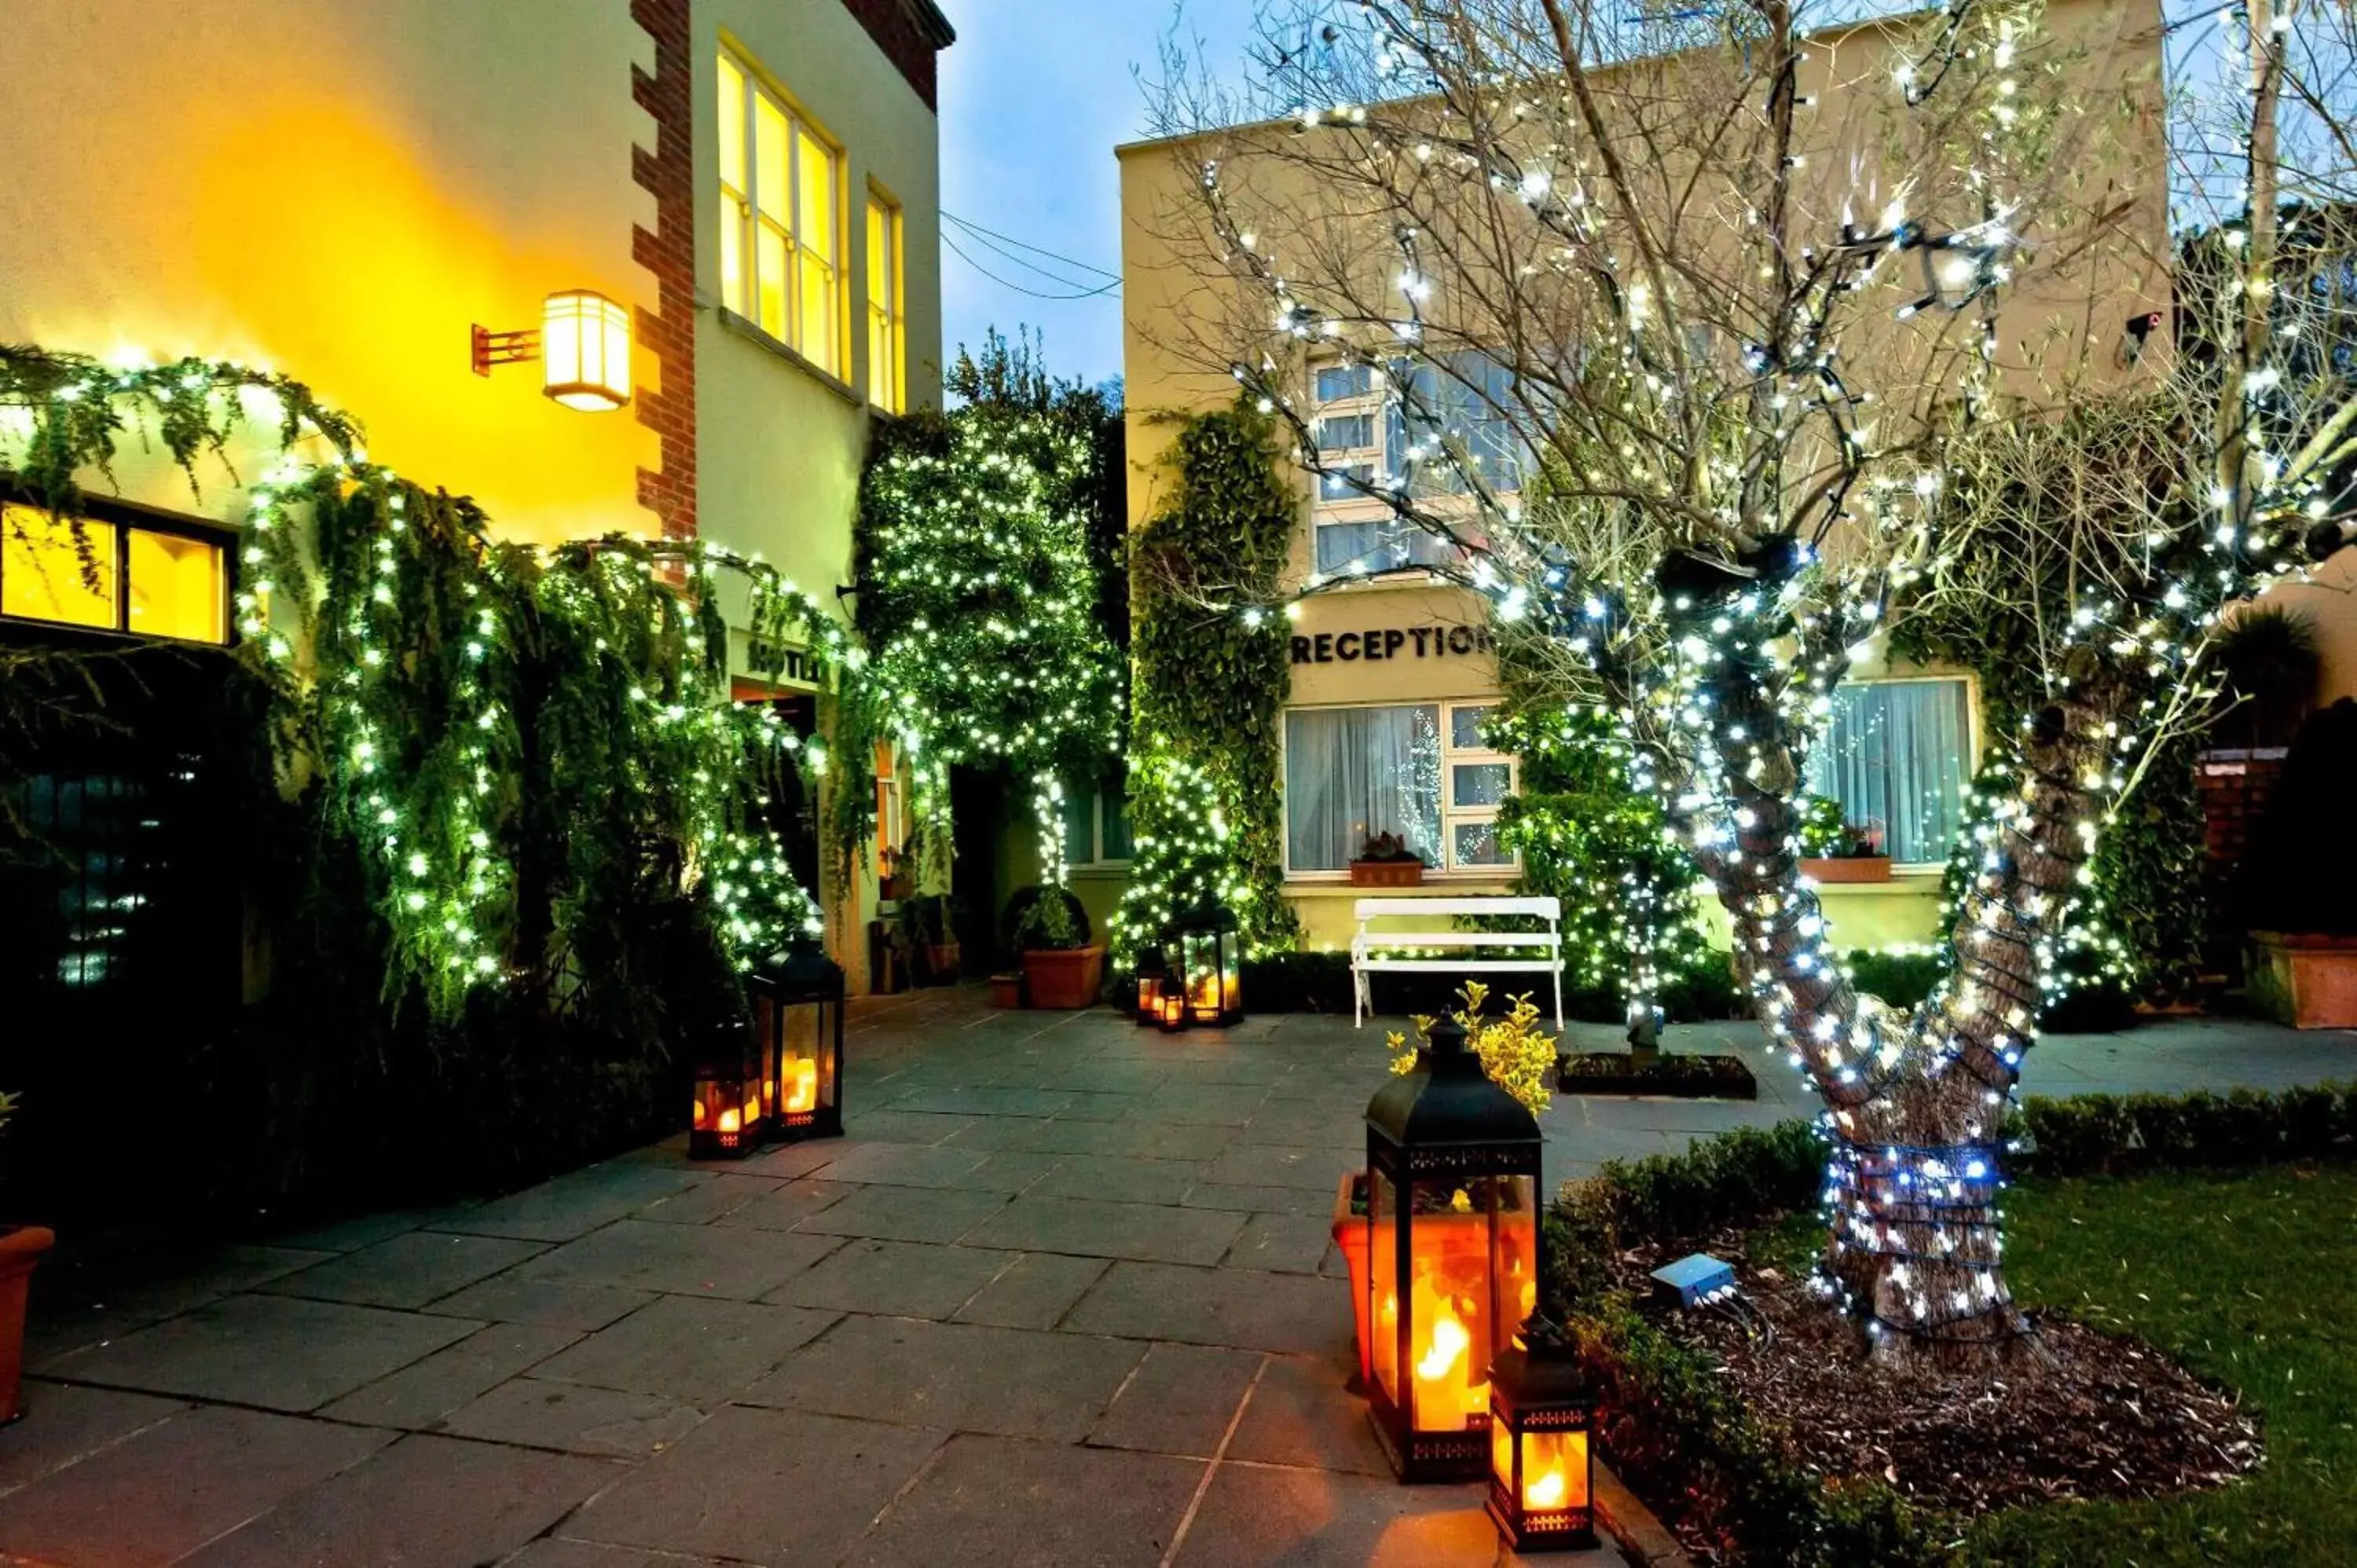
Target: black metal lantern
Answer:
pixel 1542 1415
pixel 1152 971
pixel 802 994
pixel 1210 967
pixel 1452 1254
pixel 726 1120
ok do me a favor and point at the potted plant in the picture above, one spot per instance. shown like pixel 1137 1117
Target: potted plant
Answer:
pixel 1387 861
pixel 1835 850
pixel 930 921
pixel 1062 968
pixel 2301 968
pixel 21 1247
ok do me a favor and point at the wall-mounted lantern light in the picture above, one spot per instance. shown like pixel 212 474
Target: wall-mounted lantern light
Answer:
pixel 583 344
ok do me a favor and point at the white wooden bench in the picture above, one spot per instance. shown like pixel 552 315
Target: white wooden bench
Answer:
pixel 1366 948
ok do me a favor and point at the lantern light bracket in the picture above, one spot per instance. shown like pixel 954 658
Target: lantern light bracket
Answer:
pixel 503 348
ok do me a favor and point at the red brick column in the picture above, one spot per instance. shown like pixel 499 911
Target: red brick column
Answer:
pixel 2236 786
pixel 668 252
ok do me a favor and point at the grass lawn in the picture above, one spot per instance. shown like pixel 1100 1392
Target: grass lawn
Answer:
pixel 2248 1277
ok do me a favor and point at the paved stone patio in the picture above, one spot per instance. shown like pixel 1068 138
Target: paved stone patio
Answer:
pixel 1065 1295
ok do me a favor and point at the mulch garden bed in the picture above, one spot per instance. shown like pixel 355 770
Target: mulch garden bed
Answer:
pixel 2084 1414
pixel 1676 1074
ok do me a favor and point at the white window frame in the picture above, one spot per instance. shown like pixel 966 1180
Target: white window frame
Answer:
pixel 1452 758
pixel 1098 860
pixel 1973 739
pixel 887 383
pixel 739 209
pixel 1333 503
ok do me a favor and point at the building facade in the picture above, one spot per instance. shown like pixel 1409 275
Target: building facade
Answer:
pixel 344 194
pixel 1390 680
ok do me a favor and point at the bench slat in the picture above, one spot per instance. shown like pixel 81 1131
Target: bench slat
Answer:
pixel 1375 909
pixel 1458 965
pixel 1454 939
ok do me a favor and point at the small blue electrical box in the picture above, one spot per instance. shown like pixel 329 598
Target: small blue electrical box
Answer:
pixel 1697 1278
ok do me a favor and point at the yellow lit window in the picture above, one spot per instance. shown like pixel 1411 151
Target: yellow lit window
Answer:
pixel 175 587
pixel 114 577
pixel 781 256
pixel 47 574
pixel 888 374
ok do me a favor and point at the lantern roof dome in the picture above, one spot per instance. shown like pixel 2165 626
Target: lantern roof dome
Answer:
pixel 804 970
pixel 1447 1099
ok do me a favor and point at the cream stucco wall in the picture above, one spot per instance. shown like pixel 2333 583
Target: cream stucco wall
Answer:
pixel 337 192
pixel 780 443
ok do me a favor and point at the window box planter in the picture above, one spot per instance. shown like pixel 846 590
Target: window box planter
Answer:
pixel 2304 978
pixel 1848 868
pixel 20 1249
pixel 1387 874
pixel 1064 978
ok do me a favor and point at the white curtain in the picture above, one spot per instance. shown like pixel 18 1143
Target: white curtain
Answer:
pixel 1350 773
pixel 1897 756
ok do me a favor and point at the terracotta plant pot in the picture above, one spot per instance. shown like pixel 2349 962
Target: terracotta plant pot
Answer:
pixel 1064 978
pixel 2305 979
pixel 19 1250
pixel 1350 1236
pixel 1006 990
pixel 1387 874
pixel 1848 868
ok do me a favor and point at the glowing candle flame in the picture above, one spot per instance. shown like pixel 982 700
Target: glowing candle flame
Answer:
pixel 801 1085
pixel 1545 1491
pixel 1449 1342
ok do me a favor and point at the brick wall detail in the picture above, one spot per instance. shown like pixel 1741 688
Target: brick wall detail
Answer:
pixel 668 252
pixel 906 44
pixel 2236 786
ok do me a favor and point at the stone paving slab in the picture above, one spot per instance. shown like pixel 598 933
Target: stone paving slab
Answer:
pixel 898 1279
pixel 75 1422
pixel 1034 1291
pixel 762 1485
pixel 275 1352
pixel 1119 1178
pixel 159 1496
pixel 956 1375
pixel 1034 1505
pixel 407 1270
pixel 1286 1243
pixel 702 1204
pixel 904 1214
pixel 1293 1313
pixel 486 1501
pixel 688 1347
pixel 550 1303
pixel 685 1259
pixel 1302 1413
pixel 1182 1398
pixel 1150 1232
pixel 420 1394
pixel 573 1205
pixel 536 1412
pixel 1255 1516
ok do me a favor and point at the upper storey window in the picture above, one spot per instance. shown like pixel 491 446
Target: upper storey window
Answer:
pixel 780 240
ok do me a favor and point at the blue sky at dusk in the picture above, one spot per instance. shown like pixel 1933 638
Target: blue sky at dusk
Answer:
pixel 1035 96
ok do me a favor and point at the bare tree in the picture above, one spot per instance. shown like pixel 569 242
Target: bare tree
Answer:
pixel 1771 319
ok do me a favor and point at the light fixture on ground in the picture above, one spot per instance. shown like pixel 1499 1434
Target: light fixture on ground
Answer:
pixel 1542 1413
pixel 583 345
pixel 801 992
pixel 726 1120
pixel 1210 966
pixel 1452 1254
pixel 1150 977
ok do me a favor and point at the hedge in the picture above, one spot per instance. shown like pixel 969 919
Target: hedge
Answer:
pixel 1681 1439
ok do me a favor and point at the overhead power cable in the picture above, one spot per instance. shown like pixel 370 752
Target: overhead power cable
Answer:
pixel 1021 288
pixel 977 230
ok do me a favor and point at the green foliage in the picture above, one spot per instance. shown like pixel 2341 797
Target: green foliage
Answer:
pixel 978 589
pixel 1044 917
pixel 2109 1134
pixel 1901 979
pixel 1206 804
pixel 1588 837
pixel 2268 657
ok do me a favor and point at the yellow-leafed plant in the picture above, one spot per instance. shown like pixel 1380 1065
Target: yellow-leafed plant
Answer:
pixel 1515 1055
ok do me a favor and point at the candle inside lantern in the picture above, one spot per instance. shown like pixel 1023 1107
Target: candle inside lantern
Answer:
pixel 1450 1388
pixel 696 1117
pixel 1555 1469
pixel 801 1085
pixel 729 1121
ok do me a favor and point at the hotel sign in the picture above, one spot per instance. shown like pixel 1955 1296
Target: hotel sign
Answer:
pixel 1392 643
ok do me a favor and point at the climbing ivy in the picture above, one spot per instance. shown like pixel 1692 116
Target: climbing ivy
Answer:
pixel 1206 804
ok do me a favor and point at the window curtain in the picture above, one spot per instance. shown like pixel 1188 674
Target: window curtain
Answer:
pixel 1350 773
pixel 1898 755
